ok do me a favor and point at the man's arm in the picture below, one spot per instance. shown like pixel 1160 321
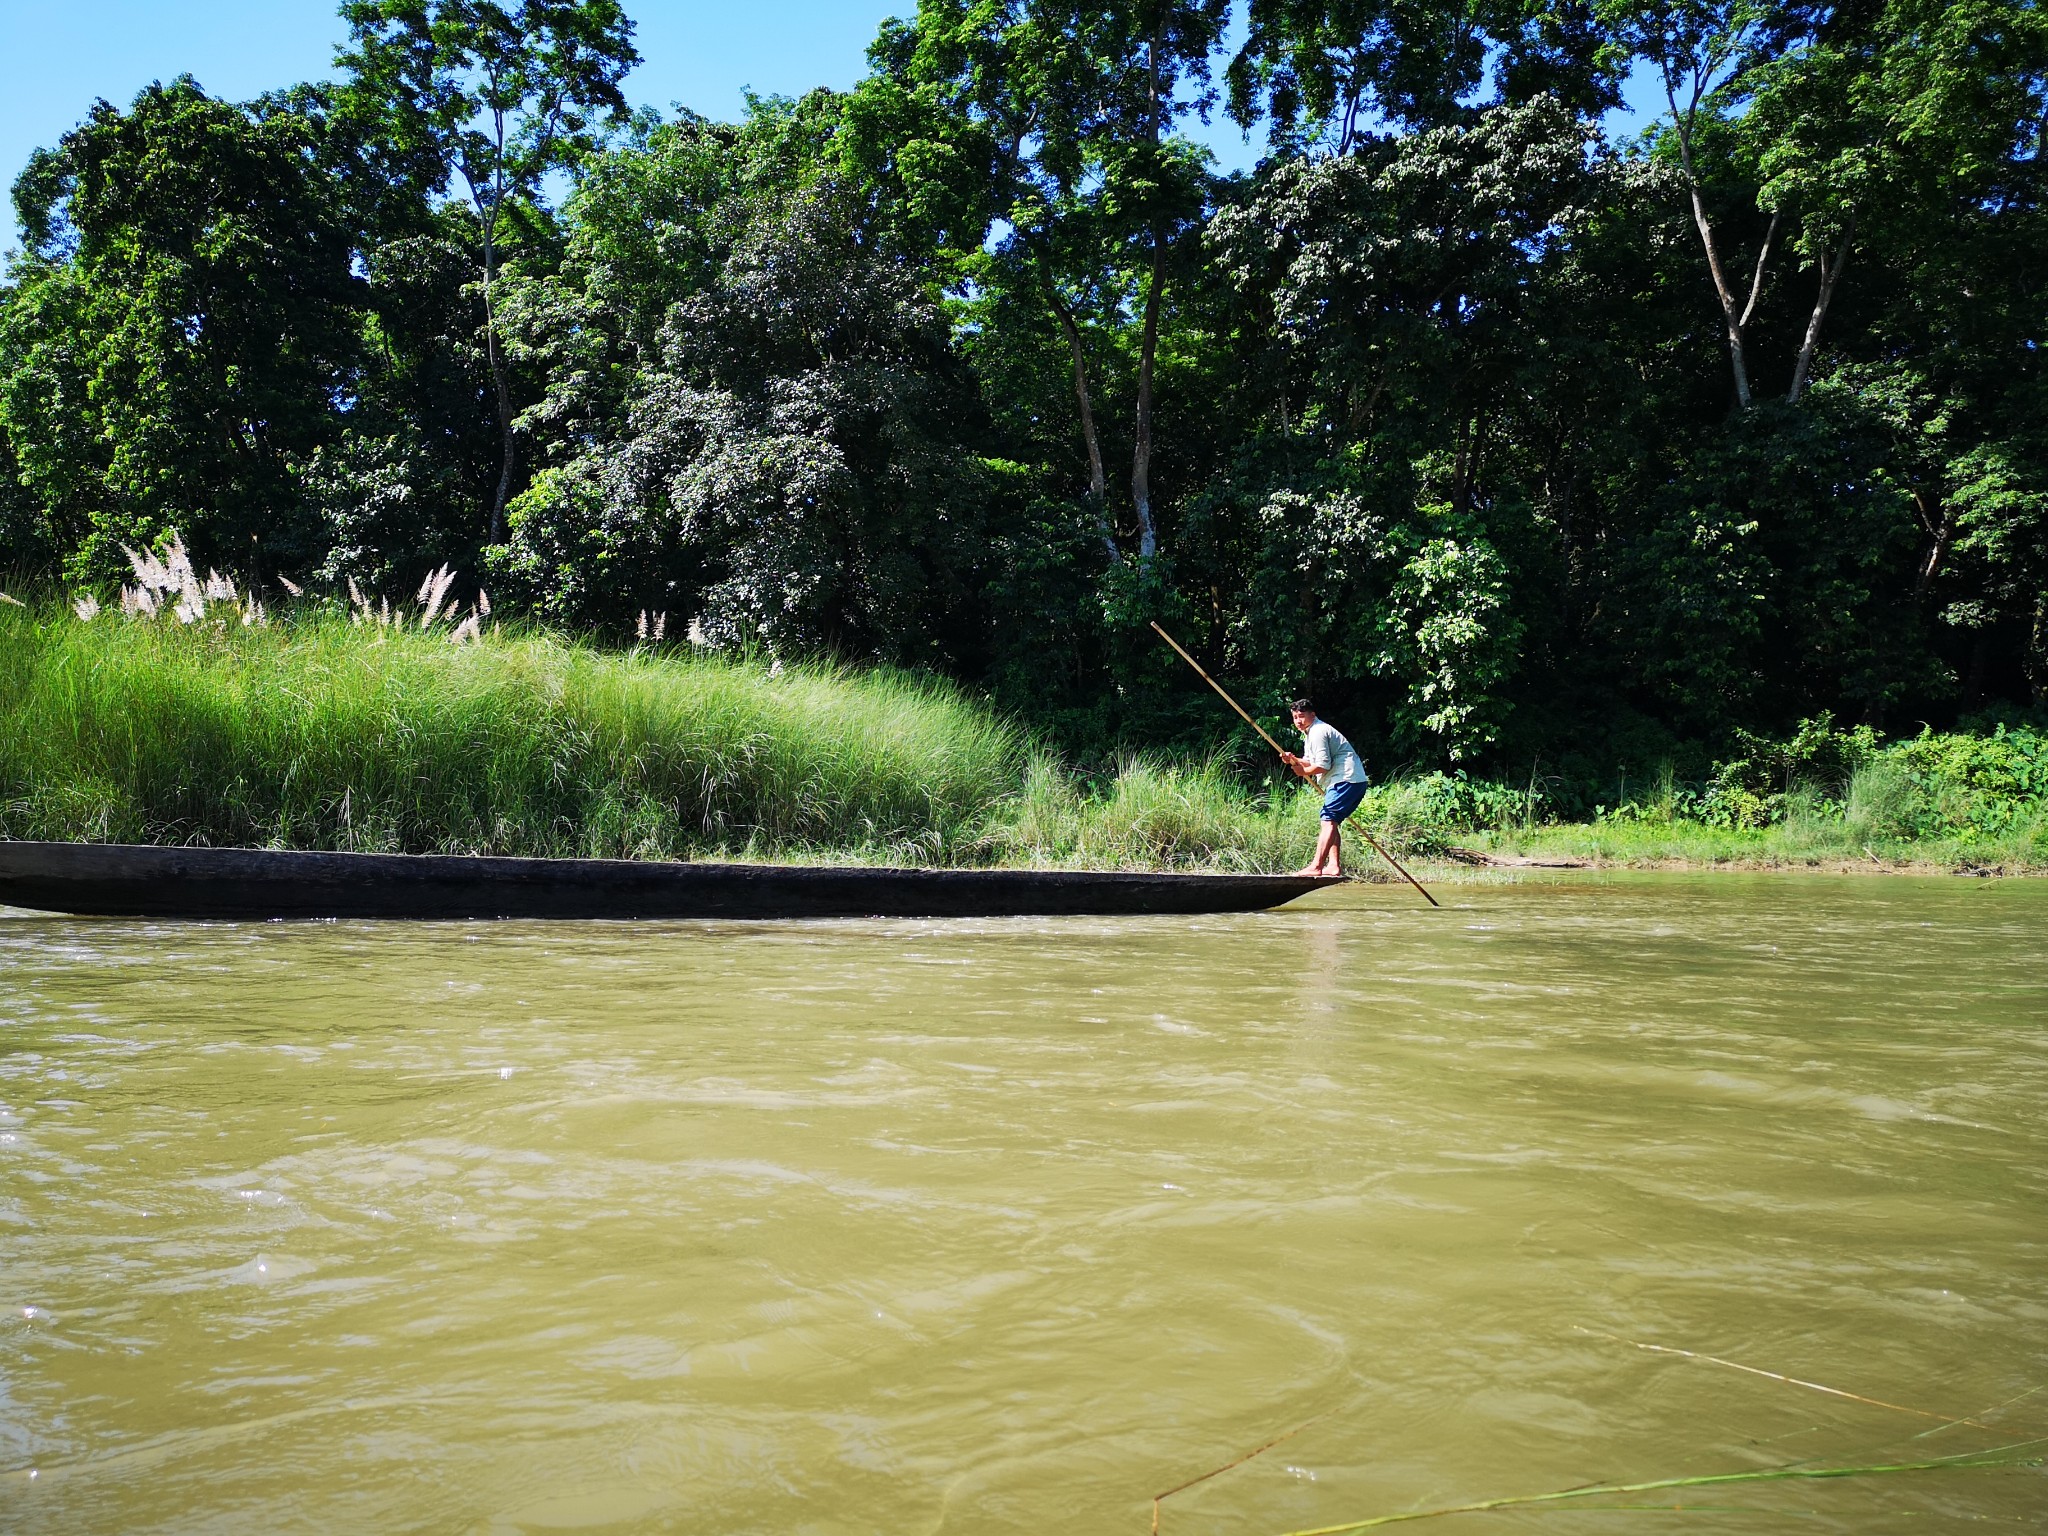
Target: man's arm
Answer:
pixel 1303 767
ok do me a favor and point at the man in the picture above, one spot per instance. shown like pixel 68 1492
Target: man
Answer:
pixel 1329 762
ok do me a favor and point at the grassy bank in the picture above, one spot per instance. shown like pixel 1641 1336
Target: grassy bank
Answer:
pixel 337 728
pixel 1819 843
pixel 325 733
pixel 1958 802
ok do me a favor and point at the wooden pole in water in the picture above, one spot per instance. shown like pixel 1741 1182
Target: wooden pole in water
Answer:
pixel 1248 720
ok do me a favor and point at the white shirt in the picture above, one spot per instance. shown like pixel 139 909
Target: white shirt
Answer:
pixel 1324 746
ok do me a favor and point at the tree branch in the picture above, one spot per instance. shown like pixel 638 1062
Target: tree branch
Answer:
pixel 1830 275
pixel 1682 124
pixel 1756 284
pixel 1098 480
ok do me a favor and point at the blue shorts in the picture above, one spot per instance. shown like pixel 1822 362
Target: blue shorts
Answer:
pixel 1341 800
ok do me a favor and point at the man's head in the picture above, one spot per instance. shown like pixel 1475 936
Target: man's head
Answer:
pixel 1304 714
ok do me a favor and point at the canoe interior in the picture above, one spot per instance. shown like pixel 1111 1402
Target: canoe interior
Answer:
pixel 118 880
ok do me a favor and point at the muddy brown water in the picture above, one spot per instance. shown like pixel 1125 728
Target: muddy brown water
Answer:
pixel 1007 1226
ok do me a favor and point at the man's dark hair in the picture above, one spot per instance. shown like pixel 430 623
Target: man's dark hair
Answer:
pixel 1303 706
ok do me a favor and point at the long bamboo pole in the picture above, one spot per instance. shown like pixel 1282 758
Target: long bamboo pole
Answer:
pixel 1248 720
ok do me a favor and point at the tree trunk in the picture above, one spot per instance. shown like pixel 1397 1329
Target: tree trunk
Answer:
pixel 503 395
pixel 2035 661
pixel 1940 529
pixel 1830 274
pixel 501 391
pixel 1148 350
pixel 1098 480
pixel 1736 321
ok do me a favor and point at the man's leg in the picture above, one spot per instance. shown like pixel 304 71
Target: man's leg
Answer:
pixel 1327 849
pixel 1324 838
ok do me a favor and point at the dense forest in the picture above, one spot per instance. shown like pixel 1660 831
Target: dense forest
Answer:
pixel 1515 440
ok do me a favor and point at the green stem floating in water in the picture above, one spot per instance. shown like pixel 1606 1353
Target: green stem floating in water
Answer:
pixel 1997 1456
pixel 1790 1381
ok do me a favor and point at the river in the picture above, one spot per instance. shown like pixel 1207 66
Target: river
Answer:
pixel 1010 1226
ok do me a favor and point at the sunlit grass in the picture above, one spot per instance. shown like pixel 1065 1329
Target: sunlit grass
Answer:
pixel 1863 833
pixel 1153 815
pixel 320 733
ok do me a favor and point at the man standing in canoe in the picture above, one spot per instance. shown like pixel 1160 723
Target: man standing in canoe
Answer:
pixel 1328 761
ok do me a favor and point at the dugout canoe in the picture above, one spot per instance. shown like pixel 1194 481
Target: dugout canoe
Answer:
pixel 117 880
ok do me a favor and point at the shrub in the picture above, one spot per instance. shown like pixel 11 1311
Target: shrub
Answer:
pixel 1972 786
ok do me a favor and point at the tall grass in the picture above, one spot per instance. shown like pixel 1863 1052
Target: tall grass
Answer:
pixel 322 733
pixel 1154 815
pixel 353 729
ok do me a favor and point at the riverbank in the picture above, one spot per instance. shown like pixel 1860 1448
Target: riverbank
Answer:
pixel 1817 844
pixel 345 729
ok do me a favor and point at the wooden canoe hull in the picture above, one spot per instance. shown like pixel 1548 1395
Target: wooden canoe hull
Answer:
pixel 115 880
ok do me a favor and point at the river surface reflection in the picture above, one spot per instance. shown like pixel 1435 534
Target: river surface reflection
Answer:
pixel 1009 1226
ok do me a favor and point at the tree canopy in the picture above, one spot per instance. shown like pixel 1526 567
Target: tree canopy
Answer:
pixel 1515 435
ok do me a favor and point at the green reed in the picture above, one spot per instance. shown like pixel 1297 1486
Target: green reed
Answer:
pixel 2019 1454
pixel 316 732
pixel 1154 815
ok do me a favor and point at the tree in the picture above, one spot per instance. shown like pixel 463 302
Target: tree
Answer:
pixel 1323 71
pixel 1895 121
pixel 1702 50
pixel 1071 109
pixel 499 97
pixel 1418 310
pixel 183 328
pixel 797 460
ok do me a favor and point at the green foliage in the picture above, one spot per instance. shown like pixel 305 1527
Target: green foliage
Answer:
pixel 497 97
pixel 1318 68
pixel 1754 790
pixel 1965 786
pixel 1426 814
pixel 1513 442
pixel 177 334
pixel 797 466
pixel 1931 787
pixel 1447 629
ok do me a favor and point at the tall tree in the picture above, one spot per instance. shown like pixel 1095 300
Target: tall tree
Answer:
pixel 183 326
pixel 497 96
pixel 1702 51
pixel 1072 109
pixel 797 463
pixel 1328 71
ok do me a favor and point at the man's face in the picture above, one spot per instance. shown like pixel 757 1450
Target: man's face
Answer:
pixel 1302 719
